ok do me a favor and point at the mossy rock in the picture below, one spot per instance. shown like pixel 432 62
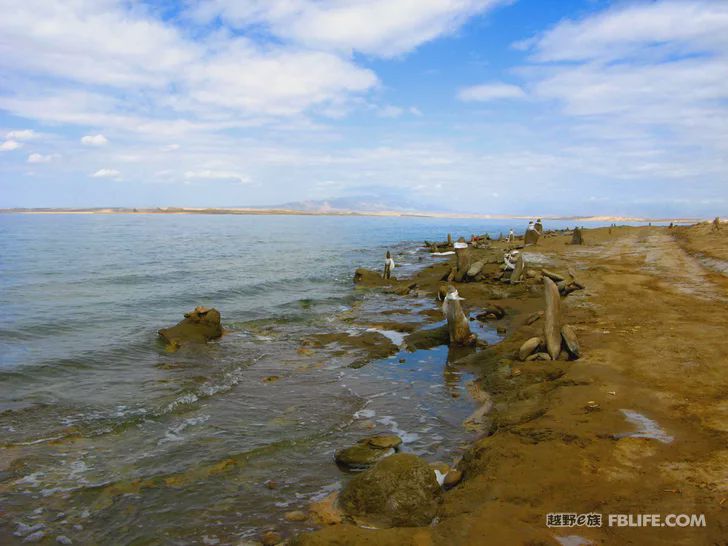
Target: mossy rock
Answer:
pixel 399 491
pixel 428 338
pixel 198 326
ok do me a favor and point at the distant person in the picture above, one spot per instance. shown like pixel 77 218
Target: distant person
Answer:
pixel 511 236
pixel 388 265
pixel 716 224
pixel 538 226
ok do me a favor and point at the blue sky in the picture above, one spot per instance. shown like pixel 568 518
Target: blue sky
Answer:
pixel 485 106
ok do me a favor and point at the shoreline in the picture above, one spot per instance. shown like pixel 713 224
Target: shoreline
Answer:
pixel 385 214
pixel 568 427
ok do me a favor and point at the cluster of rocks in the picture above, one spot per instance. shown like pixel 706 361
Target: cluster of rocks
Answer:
pixel 558 341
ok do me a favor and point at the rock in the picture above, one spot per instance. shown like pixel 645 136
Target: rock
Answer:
pixel 384 441
pixel 553 276
pixel 457 323
pixel 270 538
pixel 271 484
pixel 63 539
pixel 295 515
pixel 517 273
pixel 530 237
pixel 577 237
pixel 539 356
pixel 427 338
pixel 475 268
pixel 442 468
pixel 529 347
pixel 198 326
pixel 326 511
pixel 361 455
pixel 552 318
pixel 368 277
pixel 399 491
pixel 570 341
pixel 493 311
pixel 452 478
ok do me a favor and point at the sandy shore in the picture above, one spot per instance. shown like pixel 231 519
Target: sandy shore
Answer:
pixel 561 435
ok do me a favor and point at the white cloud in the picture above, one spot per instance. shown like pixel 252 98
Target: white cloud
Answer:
pixel 646 80
pixel 106 173
pixel 385 28
pixel 39 158
pixel 22 134
pixel 94 140
pixel 212 174
pixel 491 91
pixel 170 147
pixel 637 30
pixel 10 145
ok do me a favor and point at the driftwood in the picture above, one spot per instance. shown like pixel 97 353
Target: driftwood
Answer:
pixel 458 325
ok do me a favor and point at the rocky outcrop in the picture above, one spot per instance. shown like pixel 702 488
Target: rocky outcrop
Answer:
pixel 399 491
pixel 198 326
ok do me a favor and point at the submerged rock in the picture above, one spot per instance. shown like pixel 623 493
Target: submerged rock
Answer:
pixel 368 451
pixel 198 326
pixel 400 491
pixel 427 338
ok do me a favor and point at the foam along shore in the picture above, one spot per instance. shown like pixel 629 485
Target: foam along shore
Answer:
pixel 561 435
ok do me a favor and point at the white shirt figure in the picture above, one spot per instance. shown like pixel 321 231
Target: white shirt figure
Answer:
pixel 388 266
pixel 511 236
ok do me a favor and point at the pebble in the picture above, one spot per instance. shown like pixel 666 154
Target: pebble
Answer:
pixel 62 539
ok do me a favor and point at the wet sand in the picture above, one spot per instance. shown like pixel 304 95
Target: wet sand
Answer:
pixel 637 425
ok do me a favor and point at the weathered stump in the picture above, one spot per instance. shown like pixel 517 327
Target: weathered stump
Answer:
pixel 552 318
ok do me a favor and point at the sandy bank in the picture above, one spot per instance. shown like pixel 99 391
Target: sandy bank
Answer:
pixel 638 425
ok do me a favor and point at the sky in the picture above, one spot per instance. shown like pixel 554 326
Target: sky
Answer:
pixel 476 106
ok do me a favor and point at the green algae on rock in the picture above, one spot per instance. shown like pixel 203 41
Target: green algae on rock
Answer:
pixel 399 491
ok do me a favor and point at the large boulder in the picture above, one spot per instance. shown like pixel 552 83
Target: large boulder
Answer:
pixel 399 491
pixel 552 318
pixel 198 326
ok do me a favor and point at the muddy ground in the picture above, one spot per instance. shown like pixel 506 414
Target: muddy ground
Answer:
pixel 653 329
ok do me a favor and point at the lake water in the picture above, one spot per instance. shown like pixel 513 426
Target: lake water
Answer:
pixel 108 438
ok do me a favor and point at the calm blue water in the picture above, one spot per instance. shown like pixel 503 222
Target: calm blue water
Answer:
pixel 105 437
